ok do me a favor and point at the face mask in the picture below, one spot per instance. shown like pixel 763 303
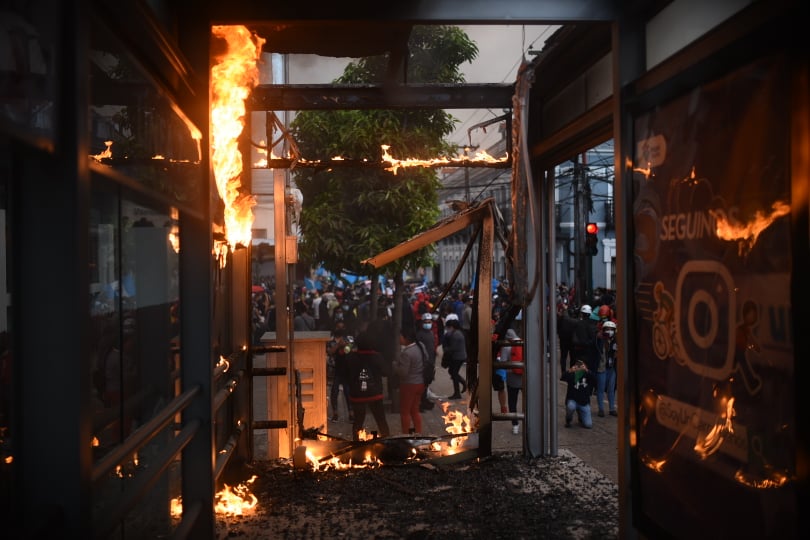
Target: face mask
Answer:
pixel 609 333
pixel 427 326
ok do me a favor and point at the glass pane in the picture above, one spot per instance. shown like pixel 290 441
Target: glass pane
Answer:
pixel 136 129
pixel 6 366
pixel 153 516
pixel 27 72
pixel 134 304
pixel 712 254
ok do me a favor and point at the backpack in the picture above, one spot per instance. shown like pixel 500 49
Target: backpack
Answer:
pixel 517 356
pixel 428 367
pixel 365 381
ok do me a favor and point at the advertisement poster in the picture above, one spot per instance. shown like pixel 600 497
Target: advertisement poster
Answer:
pixel 714 343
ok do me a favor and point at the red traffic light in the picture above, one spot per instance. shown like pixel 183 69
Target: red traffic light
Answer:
pixel 591 228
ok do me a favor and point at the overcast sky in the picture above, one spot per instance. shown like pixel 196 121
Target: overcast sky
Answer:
pixel 501 49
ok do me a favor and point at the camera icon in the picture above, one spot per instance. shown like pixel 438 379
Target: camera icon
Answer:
pixel 705 311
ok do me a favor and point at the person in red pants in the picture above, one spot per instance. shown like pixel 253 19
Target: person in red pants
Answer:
pixel 409 367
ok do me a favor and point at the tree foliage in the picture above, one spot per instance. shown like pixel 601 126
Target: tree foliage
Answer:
pixel 350 214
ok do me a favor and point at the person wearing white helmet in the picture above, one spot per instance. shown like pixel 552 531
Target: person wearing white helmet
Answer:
pixel 426 335
pixel 606 369
pixel 584 339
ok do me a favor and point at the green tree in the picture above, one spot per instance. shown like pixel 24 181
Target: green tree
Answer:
pixel 350 214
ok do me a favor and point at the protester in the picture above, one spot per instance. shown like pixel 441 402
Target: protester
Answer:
pixel 340 344
pixel 466 321
pixel 605 313
pixel 303 321
pixel 426 336
pixel 606 369
pixel 514 376
pixel 584 339
pixel 578 394
pixel 454 354
pixel 499 375
pixel 409 367
pixel 363 369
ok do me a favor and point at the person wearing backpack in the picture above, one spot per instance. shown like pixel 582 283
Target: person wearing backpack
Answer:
pixel 364 369
pixel 410 368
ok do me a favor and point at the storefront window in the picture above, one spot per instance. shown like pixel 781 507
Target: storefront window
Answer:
pixel 134 304
pixel 136 129
pixel 27 75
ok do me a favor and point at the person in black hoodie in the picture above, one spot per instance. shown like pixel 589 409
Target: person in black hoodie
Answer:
pixel 584 339
pixel 581 383
pixel 364 370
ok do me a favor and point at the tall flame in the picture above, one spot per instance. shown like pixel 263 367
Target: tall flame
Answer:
pixel 232 79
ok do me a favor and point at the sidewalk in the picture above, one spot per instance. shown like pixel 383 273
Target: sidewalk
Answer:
pixel 597 446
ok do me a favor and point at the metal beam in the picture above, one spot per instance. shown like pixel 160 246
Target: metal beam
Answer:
pixel 300 97
pixel 433 12
pixel 439 231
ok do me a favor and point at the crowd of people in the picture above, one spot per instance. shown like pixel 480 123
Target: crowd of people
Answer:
pixel 363 353
pixel 588 354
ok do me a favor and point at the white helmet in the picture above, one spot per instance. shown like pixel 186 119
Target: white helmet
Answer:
pixel 427 317
pixel 586 309
pixel 451 317
pixel 609 325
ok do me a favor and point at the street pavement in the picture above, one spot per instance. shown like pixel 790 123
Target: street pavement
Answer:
pixel 597 446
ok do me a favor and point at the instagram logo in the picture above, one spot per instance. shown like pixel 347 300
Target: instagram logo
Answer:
pixel 704 318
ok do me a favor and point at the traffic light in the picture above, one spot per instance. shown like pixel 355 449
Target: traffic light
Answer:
pixel 591 239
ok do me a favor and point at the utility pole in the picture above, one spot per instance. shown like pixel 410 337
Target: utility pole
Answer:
pixel 467 149
pixel 578 237
pixel 582 261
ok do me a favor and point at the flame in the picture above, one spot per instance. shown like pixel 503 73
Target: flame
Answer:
pixel 174 238
pixel 174 231
pixel 370 460
pixel 456 424
pixel 223 362
pixel 107 153
pixel 647 172
pixel 394 164
pixel 232 79
pixel 9 459
pixel 480 157
pixel 708 444
pixel 176 507
pixel 746 234
pixel 94 442
pixel 220 247
pixel 262 150
pixel 235 501
pixel 656 465
pixel 775 480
